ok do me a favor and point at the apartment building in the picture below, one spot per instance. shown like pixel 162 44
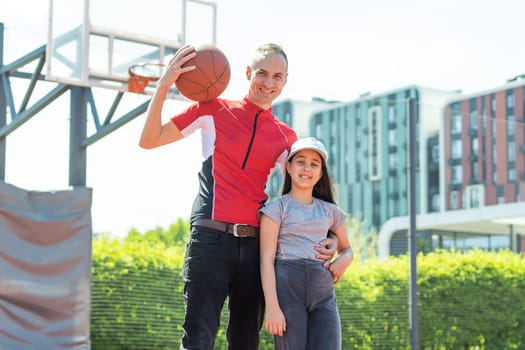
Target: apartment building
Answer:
pixel 368 144
pixel 481 201
pixel 470 164
pixel 295 113
pixel 484 149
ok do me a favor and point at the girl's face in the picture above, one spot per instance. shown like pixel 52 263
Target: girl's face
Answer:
pixel 305 169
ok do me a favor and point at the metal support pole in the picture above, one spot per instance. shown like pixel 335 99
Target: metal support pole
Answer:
pixel 77 133
pixel 412 128
pixel 3 109
pixel 513 239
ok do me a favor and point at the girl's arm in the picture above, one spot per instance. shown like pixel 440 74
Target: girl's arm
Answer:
pixel 345 254
pixel 269 231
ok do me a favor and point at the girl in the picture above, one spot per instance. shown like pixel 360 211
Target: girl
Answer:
pixel 301 309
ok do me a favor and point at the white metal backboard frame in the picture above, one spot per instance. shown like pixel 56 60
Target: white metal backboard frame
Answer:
pixel 84 50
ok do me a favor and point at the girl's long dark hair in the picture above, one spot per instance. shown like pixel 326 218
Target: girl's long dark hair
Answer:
pixel 323 188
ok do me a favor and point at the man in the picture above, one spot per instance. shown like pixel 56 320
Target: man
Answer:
pixel 242 142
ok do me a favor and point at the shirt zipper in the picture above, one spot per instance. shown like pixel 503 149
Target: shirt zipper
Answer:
pixel 251 139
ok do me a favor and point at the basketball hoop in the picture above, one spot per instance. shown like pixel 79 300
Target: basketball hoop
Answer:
pixel 140 75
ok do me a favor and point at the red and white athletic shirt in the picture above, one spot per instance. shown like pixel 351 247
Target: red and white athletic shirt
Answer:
pixel 241 146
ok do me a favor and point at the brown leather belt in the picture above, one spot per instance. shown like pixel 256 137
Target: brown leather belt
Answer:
pixel 238 230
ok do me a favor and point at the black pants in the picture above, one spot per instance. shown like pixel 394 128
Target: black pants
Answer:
pixel 218 265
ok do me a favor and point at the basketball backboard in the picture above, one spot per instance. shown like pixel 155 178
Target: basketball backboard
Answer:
pixel 94 42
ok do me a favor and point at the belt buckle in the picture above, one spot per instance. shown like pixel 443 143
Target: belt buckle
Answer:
pixel 236 232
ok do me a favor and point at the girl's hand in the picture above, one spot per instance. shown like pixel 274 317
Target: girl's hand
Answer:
pixel 275 321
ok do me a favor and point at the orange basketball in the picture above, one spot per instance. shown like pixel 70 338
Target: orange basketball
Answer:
pixel 210 77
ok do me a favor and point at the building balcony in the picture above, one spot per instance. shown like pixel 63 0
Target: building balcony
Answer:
pixel 454 161
pixel 455 136
pixel 473 182
pixel 454 187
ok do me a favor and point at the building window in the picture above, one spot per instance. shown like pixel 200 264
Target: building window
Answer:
pixel 474 199
pixel 350 199
pixel 392 161
pixel 494 160
pixel 483 113
pixel 475 172
pixel 474 119
pixel 318 129
pixel 500 198
pixel 357 131
pixel 475 196
pixel 456 149
pixel 475 145
pixel 435 154
pixel 457 174
pixel 511 125
pixel 455 121
pixel 454 200
pixel 374 142
pixel 511 151
pixel 392 137
pixel 391 114
pixel 512 174
pixel 510 99
pixel 435 202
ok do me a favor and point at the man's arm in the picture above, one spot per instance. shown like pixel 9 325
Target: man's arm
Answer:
pixel 345 254
pixel 154 134
pixel 327 248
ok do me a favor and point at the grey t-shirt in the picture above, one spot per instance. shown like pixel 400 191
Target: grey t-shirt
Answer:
pixel 302 226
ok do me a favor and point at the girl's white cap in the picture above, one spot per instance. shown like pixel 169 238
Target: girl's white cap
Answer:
pixel 308 143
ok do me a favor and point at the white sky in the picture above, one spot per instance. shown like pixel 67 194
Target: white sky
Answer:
pixel 337 49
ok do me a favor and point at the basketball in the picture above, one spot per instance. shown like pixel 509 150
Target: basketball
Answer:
pixel 209 78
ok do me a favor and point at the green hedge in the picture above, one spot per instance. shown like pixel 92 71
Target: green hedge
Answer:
pixel 472 300
pixel 136 295
pixel 466 301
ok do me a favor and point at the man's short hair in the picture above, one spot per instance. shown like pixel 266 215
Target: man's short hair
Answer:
pixel 272 48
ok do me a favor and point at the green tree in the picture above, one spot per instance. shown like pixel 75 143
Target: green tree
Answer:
pixel 363 240
pixel 177 234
